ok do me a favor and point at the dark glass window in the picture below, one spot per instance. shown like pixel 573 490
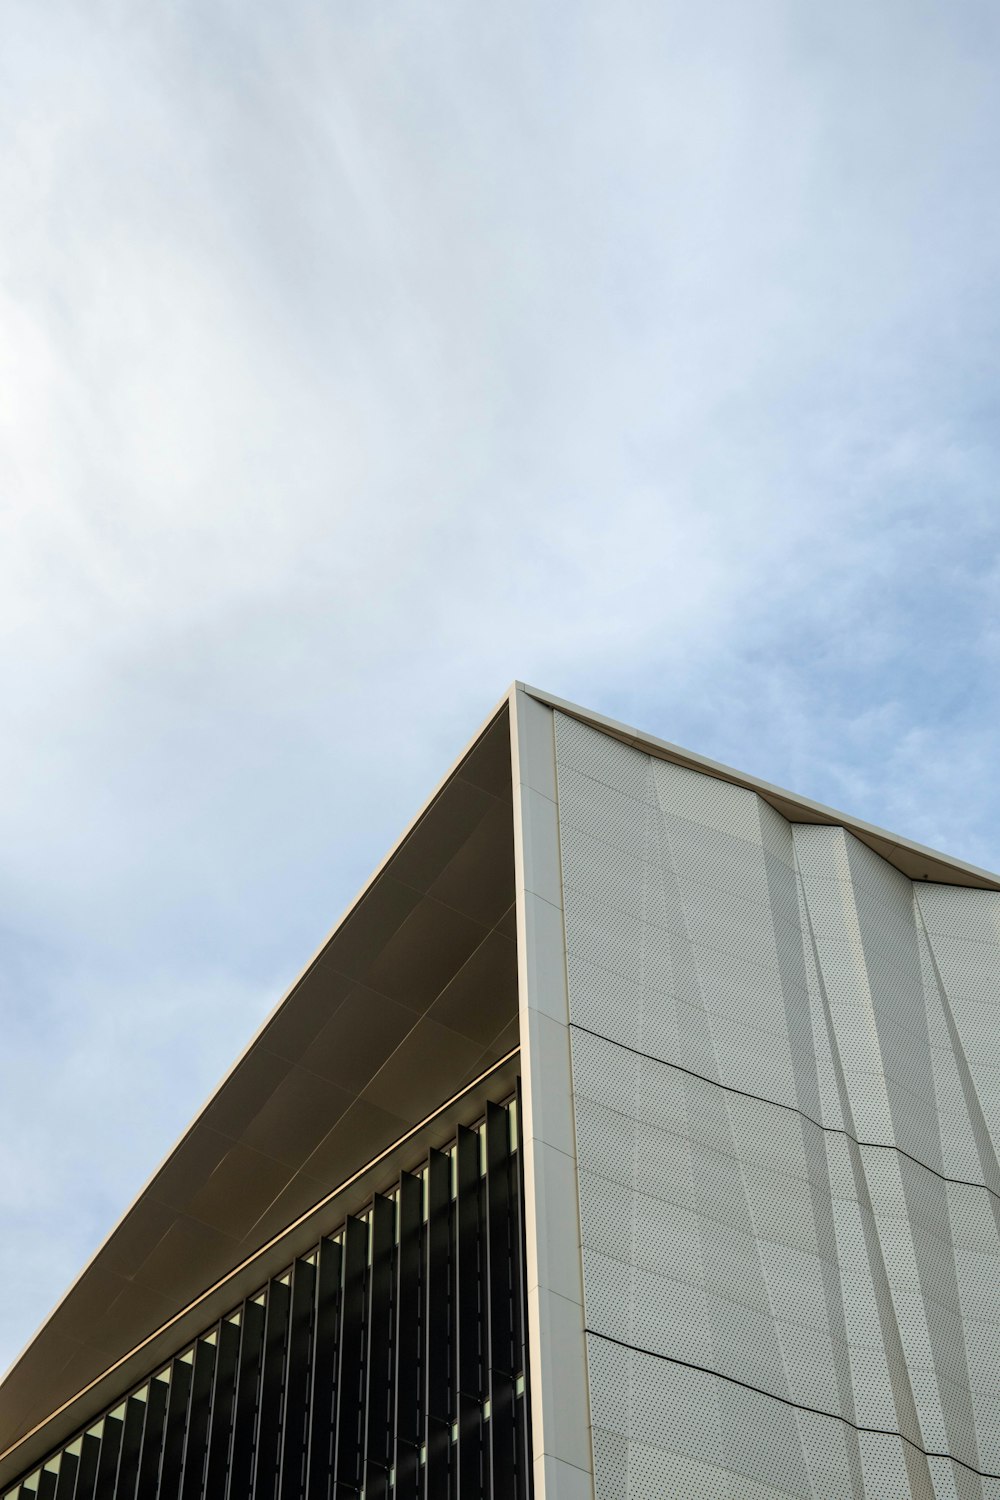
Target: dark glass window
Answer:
pixel 389 1363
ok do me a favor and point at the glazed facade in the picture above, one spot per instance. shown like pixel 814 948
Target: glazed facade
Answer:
pixel 389 1360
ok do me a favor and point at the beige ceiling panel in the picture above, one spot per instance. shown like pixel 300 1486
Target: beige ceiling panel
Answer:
pixel 488 764
pixel 295 1199
pixel 422 955
pixel 476 881
pixel 137 1308
pixel 501 1045
pixel 88 1321
pixel 335 1158
pixel 167 1268
pixel 244 1092
pixel 475 1003
pixel 296 1117
pixel 355 1041
pixel 436 840
pixel 239 1190
pixel 422 1070
pixel 379 914
pixel 189 1168
pixel 319 994
pixel 138 1234
pixel 40 1368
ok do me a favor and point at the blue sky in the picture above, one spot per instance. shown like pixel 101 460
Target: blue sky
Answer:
pixel 357 358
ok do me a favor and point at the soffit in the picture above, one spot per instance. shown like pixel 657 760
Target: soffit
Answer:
pixel 914 860
pixel 413 996
pixel 245 1279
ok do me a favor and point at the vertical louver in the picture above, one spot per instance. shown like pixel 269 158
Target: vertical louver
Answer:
pixel 388 1363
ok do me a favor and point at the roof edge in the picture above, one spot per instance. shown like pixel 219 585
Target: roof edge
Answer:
pixel 914 860
pixel 428 803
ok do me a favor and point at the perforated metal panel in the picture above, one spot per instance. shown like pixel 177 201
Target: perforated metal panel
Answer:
pixel 786 1073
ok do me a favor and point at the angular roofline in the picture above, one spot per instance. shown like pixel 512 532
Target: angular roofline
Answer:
pixel 912 859
pixel 7 1376
pixel 265 1023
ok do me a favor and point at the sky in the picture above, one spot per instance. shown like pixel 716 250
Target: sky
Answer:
pixel 359 357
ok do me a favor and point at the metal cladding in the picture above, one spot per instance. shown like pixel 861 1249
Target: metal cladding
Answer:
pixel 391 1360
pixel 786 1057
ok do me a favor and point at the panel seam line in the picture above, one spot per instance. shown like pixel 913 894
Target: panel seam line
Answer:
pixel 792 1108
pixel 815 1411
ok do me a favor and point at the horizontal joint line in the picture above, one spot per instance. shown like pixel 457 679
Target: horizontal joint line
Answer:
pixel 792 1108
pixel 815 1411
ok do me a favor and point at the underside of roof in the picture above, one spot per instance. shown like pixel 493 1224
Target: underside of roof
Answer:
pixel 412 997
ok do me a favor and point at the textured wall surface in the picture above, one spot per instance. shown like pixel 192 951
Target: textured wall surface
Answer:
pixel 786 1074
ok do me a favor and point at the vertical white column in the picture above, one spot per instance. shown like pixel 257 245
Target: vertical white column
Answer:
pixel 560 1408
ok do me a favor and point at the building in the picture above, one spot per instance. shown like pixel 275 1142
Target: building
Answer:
pixel 634 1134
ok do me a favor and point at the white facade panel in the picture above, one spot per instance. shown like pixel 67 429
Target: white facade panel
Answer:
pixel 560 1406
pixel 786 1082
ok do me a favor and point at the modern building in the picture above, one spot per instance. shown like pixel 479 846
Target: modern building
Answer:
pixel 634 1135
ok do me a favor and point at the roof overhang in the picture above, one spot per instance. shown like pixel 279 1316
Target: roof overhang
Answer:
pixel 411 999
